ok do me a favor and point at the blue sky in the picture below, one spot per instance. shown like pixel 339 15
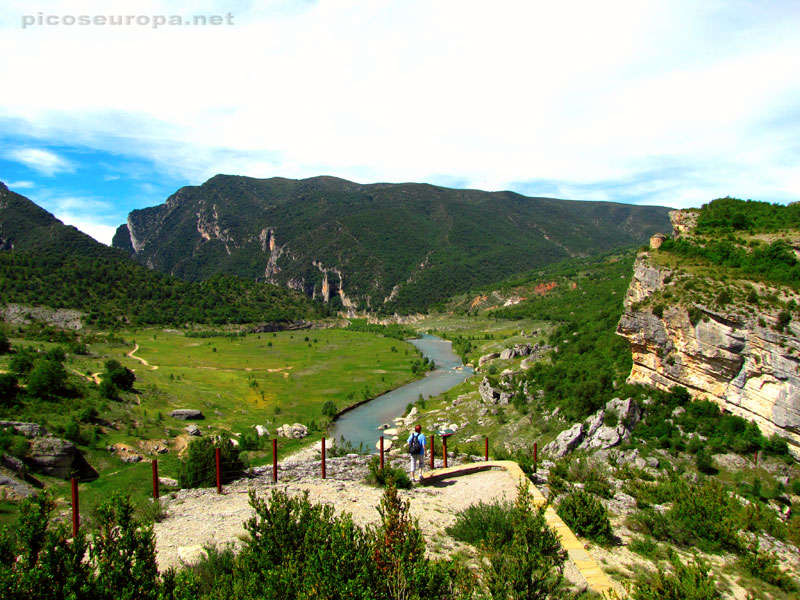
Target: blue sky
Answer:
pixel 672 103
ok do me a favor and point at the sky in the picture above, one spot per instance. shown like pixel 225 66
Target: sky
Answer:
pixel 669 103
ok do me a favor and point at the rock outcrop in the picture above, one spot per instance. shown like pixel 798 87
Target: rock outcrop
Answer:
pixel 185 414
pixel 52 456
pixel 736 359
pixel 593 434
pixel 296 431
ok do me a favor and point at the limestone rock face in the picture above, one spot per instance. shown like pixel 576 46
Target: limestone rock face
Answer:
pixel 296 431
pixel 487 393
pixel 487 357
pixel 593 434
pixel 747 369
pixel 566 442
pixel 52 456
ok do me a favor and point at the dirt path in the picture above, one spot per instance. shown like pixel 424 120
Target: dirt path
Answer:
pixel 201 517
pixel 141 360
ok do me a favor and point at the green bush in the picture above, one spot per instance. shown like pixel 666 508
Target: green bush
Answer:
pixel 388 475
pixel 704 462
pixel 13 444
pixel 198 468
pixel 47 380
pixel 702 515
pixel 249 440
pixel 764 566
pixel 122 377
pixel 296 549
pixel 531 564
pixel 484 523
pixel 5 344
pixel 329 408
pixel 45 562
pixel 8 389
pixel 776 446
pixel 689 582
pixel 586 516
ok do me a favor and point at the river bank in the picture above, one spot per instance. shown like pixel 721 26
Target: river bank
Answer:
pixel 359 424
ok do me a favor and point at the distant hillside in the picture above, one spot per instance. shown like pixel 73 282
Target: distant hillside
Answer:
pixel 46 263
pixel 392 247
pixel 24 226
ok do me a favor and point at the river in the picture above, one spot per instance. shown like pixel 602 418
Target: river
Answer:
pixel 360 425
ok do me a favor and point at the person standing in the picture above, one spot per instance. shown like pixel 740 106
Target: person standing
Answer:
pixel 416 448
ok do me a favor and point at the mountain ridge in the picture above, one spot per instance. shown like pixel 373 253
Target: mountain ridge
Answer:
pixel 381 246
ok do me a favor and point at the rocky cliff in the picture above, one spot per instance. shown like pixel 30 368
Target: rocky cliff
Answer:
pixel 737 356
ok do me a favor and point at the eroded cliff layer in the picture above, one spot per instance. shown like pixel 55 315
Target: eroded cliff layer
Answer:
pixel 743 360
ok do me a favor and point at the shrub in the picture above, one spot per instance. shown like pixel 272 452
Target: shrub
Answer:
pixel 121 377
pixel 531 564
pixel 45 562
pixel 22 362
pixel 108 389
pixel 14 444
pixel 199 469
pixel 296 549
pixel 658 310
pixel 703 515
pixel 5 344
pixel 329 408
pixel 586 516
pixel 388 475
pixel 249 440
pixel 689 582
pixel 8 389
pixel 484 523
pixel 47 379
pixel 704 462
pixel 777 446
pixel 764 566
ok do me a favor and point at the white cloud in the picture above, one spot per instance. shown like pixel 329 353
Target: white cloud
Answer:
pixel 100 231
pixel 20 185
pixel 579 93
pixel 45 162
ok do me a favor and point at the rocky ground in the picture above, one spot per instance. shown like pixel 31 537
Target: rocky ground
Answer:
pixel 198 518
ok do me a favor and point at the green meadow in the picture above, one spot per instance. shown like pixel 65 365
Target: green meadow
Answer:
pixel 268 378
pixel 237 382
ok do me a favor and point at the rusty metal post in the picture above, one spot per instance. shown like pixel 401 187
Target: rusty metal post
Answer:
pixel 535 452
pixel 444 450
pixel 155 479
pixel 219 478
pixel 486 448
pixel 323 457
pixel 274 460
pixel 76 513
pixel 381 442
pixel 433 440
pixel 755 458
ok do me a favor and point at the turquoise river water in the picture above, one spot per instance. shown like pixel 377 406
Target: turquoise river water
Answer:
pixel 360 425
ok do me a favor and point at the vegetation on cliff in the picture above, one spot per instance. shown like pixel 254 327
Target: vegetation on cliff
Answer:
pixel 583 309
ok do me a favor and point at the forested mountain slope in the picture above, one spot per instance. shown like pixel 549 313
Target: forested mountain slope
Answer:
pixel 392 247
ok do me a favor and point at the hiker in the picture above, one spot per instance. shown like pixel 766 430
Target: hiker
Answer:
pixel 416 448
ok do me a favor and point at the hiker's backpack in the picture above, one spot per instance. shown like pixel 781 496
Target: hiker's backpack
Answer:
pixel 414 446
